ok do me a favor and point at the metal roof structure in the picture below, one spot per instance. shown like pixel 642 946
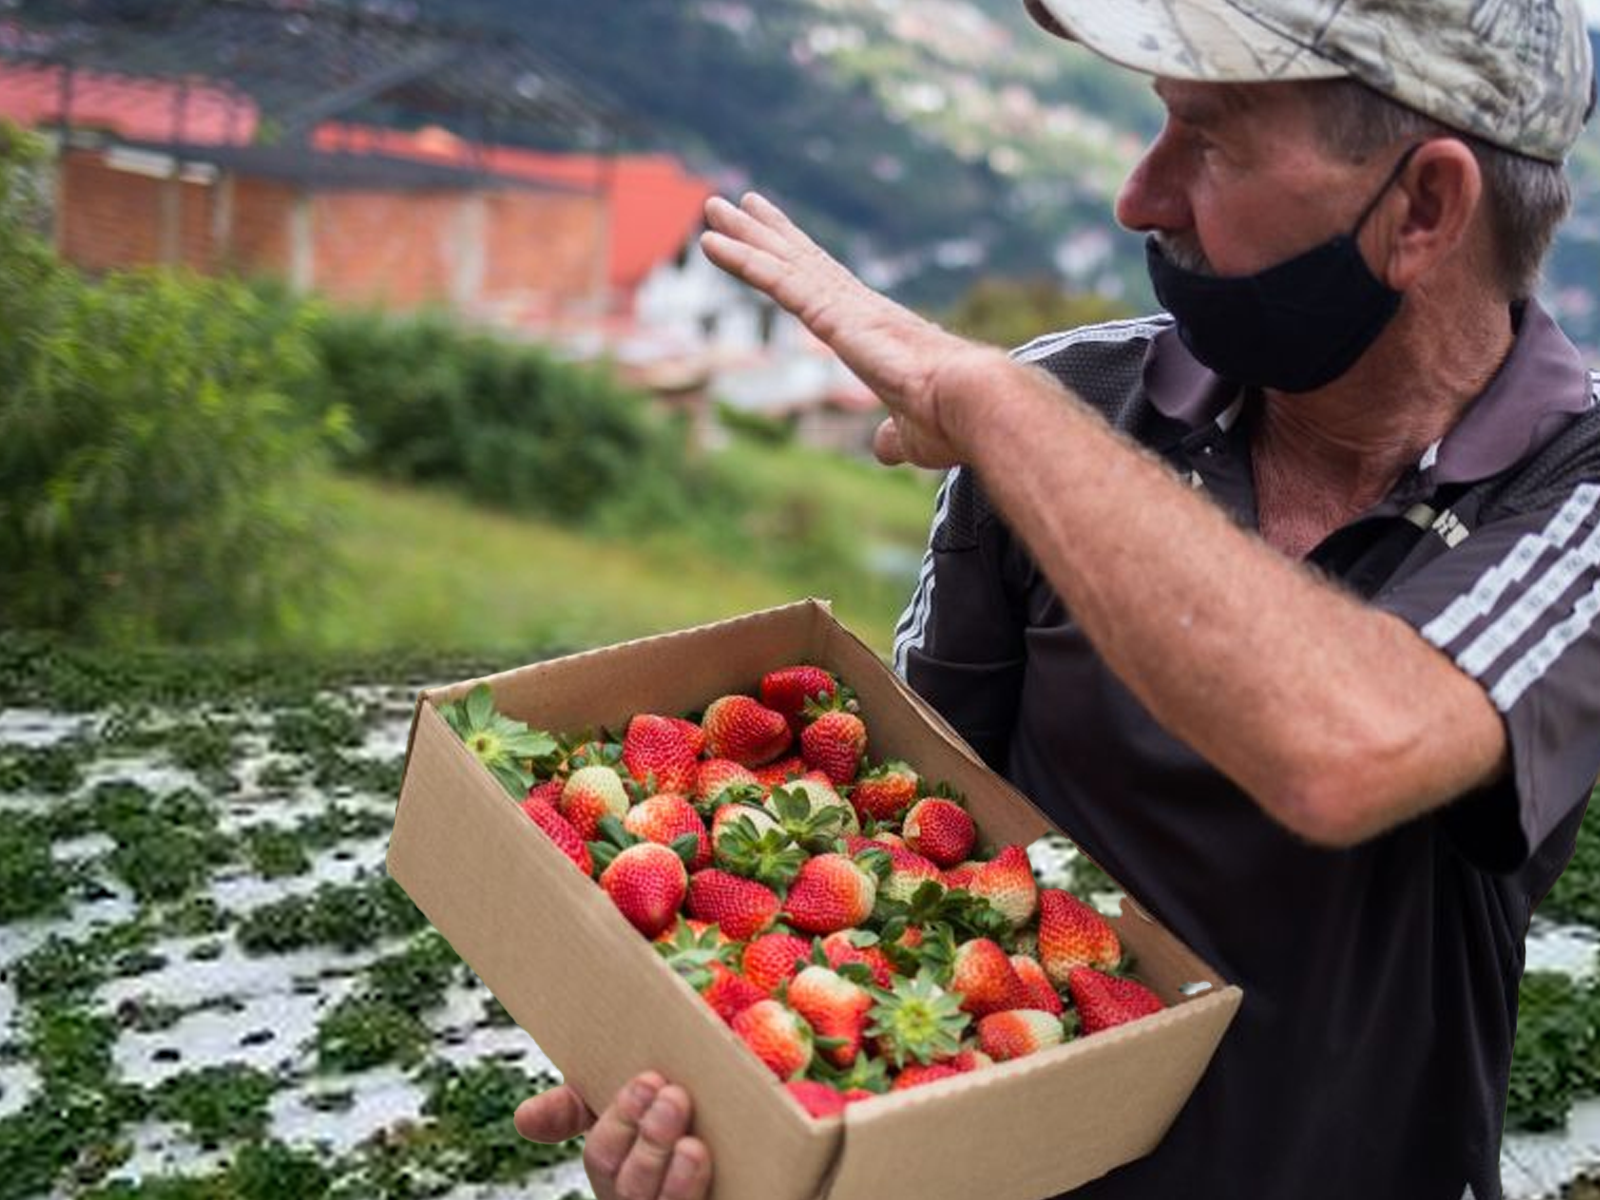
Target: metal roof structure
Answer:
pixel 303 62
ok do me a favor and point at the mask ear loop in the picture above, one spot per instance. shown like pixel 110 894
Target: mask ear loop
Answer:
pixel 1388 183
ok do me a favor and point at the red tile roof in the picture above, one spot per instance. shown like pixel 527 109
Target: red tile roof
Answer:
pixel 139 109
pixel 656 202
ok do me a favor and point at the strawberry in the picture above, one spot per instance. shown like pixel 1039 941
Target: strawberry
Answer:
pixel 917 1021
pixel 818 1099
pixel 775 958
pixel 590 794
pixel 778 773
pixel 1007 1035
pixel 692 733
pixel 812 813
pixel 969 1058
pixel 836 1010
pixel 656 748
pixel 745 730
pixel 779 1037
pixel 730 993
pixel 1105 1000
pixel 885 792
pixel 917 1074
pixel 788 688
pixel 985 979
pixel 557 828
pixel 549 791
pixel 1036 984
pixel 666 817
pixel 1071 934
pixel 647 883
pixel 741 907
pixel 961 875
pixel 908 871
pixel 749 842
pixel 834 744
pixel 1006 881
pixel 831 892
pixel 714 776
pixel 940 829
pixel 846 947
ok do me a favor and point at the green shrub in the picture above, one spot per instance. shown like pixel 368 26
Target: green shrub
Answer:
pixel 1558 1039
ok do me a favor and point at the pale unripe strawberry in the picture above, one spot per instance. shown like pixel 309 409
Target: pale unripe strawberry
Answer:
pixel 908 871
pixel 821 796
pixel 1006 881
pixel 666 817
pixel 1007 1035
pixel 591 793
pixel 713 776
pixel 834 1007
pixel 1036 984
pixel 741 907
pixel 830 893
pixel 940 829
pixel 745 730
pixel 647 883
pixel 729 813
pixel 1072 934
pixel 779 1037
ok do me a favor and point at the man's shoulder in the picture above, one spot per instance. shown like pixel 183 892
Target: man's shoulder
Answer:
pixel 1104 363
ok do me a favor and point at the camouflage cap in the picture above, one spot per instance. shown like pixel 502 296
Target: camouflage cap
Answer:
pixel 1516 73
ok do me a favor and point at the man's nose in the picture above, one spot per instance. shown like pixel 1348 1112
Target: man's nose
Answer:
pixel 1153 198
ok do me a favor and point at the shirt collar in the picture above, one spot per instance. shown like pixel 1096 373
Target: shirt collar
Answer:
pixel 1540 386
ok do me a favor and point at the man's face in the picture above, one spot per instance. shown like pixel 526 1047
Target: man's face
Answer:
pixel 1237 181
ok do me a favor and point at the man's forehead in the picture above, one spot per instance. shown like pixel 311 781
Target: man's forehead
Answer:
pixel 1202 103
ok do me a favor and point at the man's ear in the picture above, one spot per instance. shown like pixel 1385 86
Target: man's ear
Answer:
pixel 1430 214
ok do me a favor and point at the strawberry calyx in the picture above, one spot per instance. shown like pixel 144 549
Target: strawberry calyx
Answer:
pixel 917 1021
pixel 768 856
pixel 615 839
pixel 811 826
pixel 511 751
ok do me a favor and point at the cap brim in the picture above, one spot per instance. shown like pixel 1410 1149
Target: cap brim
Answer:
pixel 1208 40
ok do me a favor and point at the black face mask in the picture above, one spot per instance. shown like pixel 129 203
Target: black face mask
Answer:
pixel 1294 327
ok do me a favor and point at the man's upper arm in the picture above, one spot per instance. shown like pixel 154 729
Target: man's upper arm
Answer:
pixel 959 643
pixel 1517 608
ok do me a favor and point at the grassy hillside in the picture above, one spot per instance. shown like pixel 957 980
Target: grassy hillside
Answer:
pixel 427 570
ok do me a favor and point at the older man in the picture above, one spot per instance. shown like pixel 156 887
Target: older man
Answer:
pixel 1284 604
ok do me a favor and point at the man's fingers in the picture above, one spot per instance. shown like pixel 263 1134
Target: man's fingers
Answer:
pixel 689 1175
pixel 614 1133
pixel 645 1169
pixel 886 443
pixel 553 1116
pixel 744 261
pixel 742 225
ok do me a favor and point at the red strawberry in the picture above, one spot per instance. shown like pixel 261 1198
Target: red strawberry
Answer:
pixel 885 792
pixel 961 875
pixel 730 993
pixel 692 733
pixel 985 978
pixel 590 794
pixel 715 775
pixel 1006 881
pixel 1105 1000
pixel 917 1074
pixel 834 744
pixel 940 829
pixel 1007 1035
pixel 778 773
pixel 788 688
pixel 779 1037
pixel 1071 934
pixel 831 892
pixel 556 827
pixel 969 1059
pixel 741 907
pixel 775 958
pixel 666 817
pixel 834 1007
pixel 745 730
pixel 647 883
pixel 818 1099
pixel 658 747
pixel 841 948
pixel 1040 991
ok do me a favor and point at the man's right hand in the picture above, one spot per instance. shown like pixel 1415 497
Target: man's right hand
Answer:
pixel 637 1149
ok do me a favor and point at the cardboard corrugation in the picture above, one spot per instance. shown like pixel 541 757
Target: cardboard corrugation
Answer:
pixel 603 1005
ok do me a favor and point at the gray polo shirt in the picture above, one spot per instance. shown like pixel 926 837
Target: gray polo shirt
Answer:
pixel 1370 1057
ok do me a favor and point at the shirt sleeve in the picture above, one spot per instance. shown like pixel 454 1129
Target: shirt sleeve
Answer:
pixel 960 642
pixel 1515 607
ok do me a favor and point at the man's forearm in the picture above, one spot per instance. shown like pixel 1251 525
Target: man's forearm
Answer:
pixel 1338 719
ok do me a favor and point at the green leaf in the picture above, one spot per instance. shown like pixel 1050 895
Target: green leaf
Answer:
pixel 480 706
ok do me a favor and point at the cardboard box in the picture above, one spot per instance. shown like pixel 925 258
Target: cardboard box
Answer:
pixel 603 1005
